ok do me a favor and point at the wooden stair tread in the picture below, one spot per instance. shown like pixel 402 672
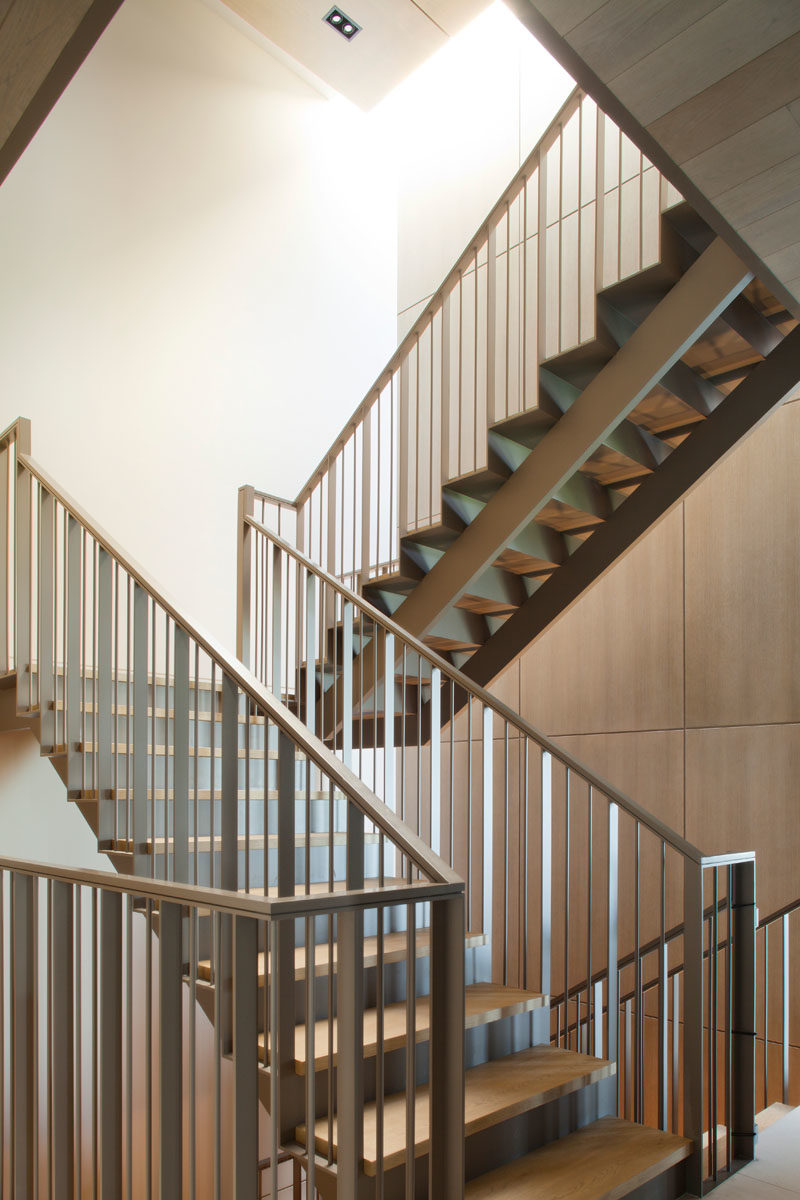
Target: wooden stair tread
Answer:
pixel 394 950
pixel 484 1003
pixel 603 1161
pixel 494 1092
pixel 256 795
pixel 255 841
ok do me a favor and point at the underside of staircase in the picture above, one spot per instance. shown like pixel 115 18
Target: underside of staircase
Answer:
pixel 685 360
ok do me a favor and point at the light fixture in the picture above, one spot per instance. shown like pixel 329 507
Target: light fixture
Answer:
pixel 343 24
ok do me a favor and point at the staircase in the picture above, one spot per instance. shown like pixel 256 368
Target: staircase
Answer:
pixel 592 353
pixel 428 1046
pixel 444 957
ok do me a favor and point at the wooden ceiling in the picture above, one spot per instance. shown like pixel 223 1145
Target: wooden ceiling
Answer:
pixel 396 37
pixel 42 44
pixel 711 91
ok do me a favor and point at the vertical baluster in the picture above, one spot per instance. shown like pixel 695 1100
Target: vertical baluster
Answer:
pixel 329 562
pixel 180 819
pixel 613 933
pixel 488 820
pixel 311 1051
pixel 389 795
pixel 436 756
pixel 445 400
pixel 713 980
pixel 410 1054
pixel 785 1012
pixel 229 791
pixel 276 623
pixel 350 1029
pixel 567 816
pixel 61 1019
pixel 22 1112
pixel 103 710
pixel 22 598
pixel 742 939
pixel 139 812
pixel 693 1020
pixel 663 998
pixel 129 1046
pixel 589 905
pixel 46 598
pixel 245 1058
pixel 366 497
pixel 6 568
pixel 630 1097
pixel 676 1039
pixel 244 555
pixel 170 996
pixel 638 1105
pixel 547 872
pixel 111 1043
pixel 446 1158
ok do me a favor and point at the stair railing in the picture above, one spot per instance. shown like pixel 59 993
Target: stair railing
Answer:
pixel 582 213
pixel 113 1086
pixel 137 703
pixel 564 874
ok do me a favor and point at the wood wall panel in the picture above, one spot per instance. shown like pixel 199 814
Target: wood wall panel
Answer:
pixel 742 794
pixel 742 577
pixel 614 662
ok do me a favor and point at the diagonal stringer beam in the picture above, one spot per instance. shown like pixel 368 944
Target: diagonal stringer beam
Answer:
pixel 765 388
pixel 694 303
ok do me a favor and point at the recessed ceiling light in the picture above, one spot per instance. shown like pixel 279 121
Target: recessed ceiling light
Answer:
pixel 343 24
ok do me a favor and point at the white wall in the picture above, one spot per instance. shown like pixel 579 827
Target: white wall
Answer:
pixel 461 126
pixel 197 255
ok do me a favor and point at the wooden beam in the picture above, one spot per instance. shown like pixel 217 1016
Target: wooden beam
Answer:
pixel 742 411
pixel 42 44
pixel 686 311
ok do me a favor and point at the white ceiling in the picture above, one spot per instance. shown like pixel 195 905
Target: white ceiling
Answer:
pixel 396 36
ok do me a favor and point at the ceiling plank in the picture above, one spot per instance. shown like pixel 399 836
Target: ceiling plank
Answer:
pixel 42 45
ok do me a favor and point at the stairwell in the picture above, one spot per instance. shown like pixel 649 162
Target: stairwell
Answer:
pixel 445 957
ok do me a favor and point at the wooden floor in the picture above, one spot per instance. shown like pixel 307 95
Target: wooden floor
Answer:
pixel 485 1003
pixel 494 1091
pixel 603 1161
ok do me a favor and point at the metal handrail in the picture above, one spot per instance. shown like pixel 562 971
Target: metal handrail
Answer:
pixel 681 845
pixel 372 808
pixel 237 904
pixel 435 302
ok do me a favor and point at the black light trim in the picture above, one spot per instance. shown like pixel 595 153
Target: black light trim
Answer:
pixel 343 24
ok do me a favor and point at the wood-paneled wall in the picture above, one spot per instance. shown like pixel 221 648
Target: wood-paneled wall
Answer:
pixel 677 677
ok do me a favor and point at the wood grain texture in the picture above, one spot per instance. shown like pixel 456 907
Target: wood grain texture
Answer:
pixel 614 662
pixel 746 153
pixel 394 950
pixel 603 1161
pixel 741 794
pixel 42 44
pixel 619 34
pixel 495 1092
pixel 742 571
pixel 708 50
pixel 484 1003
